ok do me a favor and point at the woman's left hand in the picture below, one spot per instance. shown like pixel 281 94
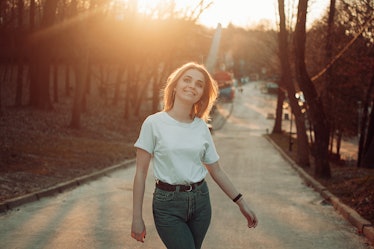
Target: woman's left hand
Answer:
pixel 248 214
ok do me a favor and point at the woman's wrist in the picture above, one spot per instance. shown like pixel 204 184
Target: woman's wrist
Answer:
pixel 240 201
pixel 237 198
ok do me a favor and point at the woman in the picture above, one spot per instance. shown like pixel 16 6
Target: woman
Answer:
pixel 179 144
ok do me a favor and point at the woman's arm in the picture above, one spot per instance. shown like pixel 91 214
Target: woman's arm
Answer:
pixel 223 181
pixel 138 230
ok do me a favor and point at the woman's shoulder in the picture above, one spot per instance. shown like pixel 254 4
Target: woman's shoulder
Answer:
pixel 200 121
pixel 155 117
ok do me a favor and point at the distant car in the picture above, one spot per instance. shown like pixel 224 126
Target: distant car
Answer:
pixel 227 93
pixel 272 88
pixel 226 87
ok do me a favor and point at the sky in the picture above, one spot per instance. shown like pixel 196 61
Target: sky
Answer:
pixel 244 13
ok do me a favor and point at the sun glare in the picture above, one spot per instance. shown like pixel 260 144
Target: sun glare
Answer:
pixel 238 12
pixel 243 13
pixel 144 6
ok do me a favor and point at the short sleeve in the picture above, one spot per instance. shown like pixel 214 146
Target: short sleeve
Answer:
pixel 211 155
pixel 146 139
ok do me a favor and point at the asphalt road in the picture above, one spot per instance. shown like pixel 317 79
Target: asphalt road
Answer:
pixel 291 215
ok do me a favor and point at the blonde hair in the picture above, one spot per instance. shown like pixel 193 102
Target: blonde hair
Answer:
pixel 201 108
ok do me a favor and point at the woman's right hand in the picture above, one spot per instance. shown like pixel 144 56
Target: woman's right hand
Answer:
pixel 143 158
pixel 138 230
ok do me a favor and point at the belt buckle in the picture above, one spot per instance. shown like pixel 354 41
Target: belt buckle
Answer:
pixel 190 189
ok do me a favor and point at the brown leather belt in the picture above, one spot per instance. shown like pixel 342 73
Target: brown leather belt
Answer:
pixel 181 188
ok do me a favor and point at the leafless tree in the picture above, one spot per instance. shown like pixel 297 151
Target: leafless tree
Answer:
pixel 316 111
pixel 287 82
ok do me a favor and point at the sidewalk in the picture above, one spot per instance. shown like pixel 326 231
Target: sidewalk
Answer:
pixel 62 187
pixel 364 227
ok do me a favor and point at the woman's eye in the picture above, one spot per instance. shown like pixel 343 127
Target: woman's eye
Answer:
pixel 200 85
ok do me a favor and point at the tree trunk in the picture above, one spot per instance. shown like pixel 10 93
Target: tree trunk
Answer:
pixel 130 78
pixel 338 143
pixel 368 160
pixel 302 139
pixel 3 70
pixel 315 106
pixel 41 45
pixel 55 82
pixel 67 80
pixel 117 88
pixel 19 87
pixel 20 54
pixel 362 145
pixel 6 73
pixel 332 137
pixel 279 111
pixel 155 94
pixel 32 14
pixel 39 83
pixel 368 156
pixel 327 93
pixel 87 82
pixel 81 71
pixel 161 72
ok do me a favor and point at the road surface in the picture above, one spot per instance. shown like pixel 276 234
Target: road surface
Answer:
pixel 291 215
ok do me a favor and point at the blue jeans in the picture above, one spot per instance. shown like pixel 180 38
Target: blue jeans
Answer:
pixel 182 218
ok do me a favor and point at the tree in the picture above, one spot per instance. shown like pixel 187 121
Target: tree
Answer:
pixel 357 18
pixel 368 154
pixel 287 82
pixel 81 71
pixel 328 55
pixel 366 143
pixel 139 46
pixel 20 56
pixel 41 46
pixel 315 105
pixel 343 81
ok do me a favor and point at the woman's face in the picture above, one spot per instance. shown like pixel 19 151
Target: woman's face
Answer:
pixel 190 87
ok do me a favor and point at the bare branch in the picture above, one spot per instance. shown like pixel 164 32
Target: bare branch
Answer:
pixel 344 49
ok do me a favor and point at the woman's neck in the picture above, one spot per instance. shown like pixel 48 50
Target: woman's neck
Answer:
pixel 181 113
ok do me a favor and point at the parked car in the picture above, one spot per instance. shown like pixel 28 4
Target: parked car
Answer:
pixel 225 83
pixel 272 87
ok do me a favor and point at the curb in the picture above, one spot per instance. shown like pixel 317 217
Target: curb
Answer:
pixel 364 227
pixel 61 187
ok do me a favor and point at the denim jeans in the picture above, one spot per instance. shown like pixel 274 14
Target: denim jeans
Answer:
pixel 182 218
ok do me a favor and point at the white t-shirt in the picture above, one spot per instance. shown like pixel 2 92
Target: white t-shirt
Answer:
pixel 179 150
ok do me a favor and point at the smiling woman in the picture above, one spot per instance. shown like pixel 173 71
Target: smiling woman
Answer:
pixel 178 144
